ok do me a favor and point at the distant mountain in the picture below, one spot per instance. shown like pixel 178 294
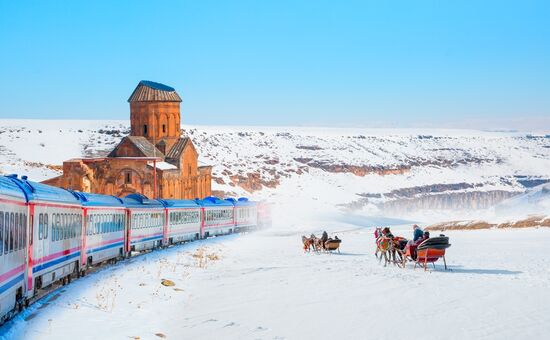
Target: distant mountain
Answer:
pixel 396 172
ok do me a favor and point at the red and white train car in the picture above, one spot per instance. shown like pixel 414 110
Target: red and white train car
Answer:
pixel 13 239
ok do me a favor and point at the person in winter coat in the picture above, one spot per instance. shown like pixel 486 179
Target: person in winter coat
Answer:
pixel 324 238
pixel 417 233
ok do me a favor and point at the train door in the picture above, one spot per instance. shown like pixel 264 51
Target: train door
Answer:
pixel 128 232
pixel 165 230
pixel 83 239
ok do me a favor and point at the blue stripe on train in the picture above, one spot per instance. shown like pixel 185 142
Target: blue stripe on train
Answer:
pixel 94 250
pixel 54 262
pixel 147 239
pixel 12 282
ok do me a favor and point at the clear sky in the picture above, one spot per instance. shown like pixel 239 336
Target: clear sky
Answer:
pixel 356 63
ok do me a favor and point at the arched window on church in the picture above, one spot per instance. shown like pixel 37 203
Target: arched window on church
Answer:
pixel 145 130
pixel 163 128
pixel 189 170
pixel 128 178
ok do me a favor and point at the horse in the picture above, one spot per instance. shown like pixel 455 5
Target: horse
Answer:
pixel 308 243
pixel 383 245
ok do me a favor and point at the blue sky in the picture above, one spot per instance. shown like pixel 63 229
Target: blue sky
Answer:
pixel 345 63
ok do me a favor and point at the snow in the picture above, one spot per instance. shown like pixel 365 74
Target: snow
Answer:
pixel 164 166
pixel 264 287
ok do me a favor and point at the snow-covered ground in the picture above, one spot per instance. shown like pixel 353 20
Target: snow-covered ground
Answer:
pixel 262 286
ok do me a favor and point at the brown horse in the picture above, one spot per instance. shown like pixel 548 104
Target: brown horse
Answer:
pixel 308 243
pixel 383 246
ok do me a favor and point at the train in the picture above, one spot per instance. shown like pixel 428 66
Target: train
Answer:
pixel 52 235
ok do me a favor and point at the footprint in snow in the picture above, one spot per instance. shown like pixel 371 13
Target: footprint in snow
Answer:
pixel 230 324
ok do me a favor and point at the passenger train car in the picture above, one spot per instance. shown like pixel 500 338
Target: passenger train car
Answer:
pixel 49 234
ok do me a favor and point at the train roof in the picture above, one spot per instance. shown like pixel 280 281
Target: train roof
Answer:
pixel 97 200
pixel 141 201
pixel 10 188
pixel 41 192
pixel 241 202
pixel 172 203
pixel 212 201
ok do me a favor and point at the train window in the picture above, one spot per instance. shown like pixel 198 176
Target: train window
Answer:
pixel 21 231
pixel 59 224
pixel 16 233
pixel 57 227
pixel 53 227
pixel 62 224
pixel 6 233
pixel 12 226
pixel 73 225
pixel 40 226
pixel 66 226
pixel 78 219
pixel 23 236
pixel 69 226
pixel 46 226
pixel 72 218
pixel 1 232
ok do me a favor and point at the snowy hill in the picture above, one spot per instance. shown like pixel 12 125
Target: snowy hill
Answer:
pixel 400 172
pixel 263 286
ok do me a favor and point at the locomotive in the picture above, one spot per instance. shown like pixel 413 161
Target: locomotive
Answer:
pixel 49 234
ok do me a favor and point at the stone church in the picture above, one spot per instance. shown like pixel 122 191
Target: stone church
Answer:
pixel 154 160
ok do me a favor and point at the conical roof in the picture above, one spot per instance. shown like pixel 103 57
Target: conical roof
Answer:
pixel 149 91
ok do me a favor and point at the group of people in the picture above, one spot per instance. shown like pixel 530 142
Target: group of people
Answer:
pixel 419 236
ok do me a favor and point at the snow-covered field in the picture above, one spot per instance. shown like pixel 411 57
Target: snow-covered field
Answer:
pixel 262 286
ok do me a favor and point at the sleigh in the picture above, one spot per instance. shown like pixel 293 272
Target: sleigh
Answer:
pixel 333 245
pixel 429 251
